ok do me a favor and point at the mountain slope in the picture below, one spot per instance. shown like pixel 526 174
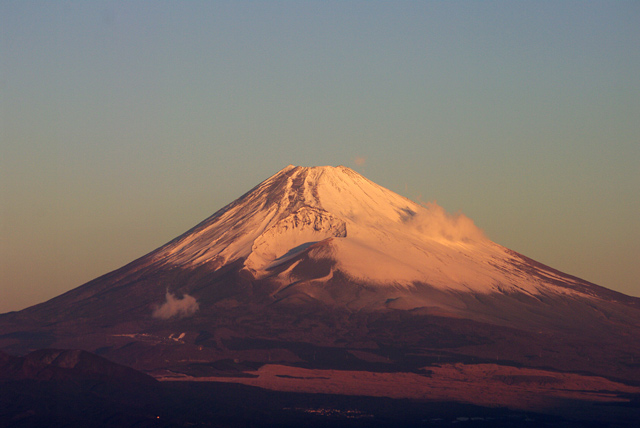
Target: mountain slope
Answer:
pixel 68 365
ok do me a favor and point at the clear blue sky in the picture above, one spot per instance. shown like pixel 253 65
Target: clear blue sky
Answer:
pixel 123 124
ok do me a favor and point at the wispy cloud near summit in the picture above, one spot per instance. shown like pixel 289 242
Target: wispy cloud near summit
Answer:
pixel 438 223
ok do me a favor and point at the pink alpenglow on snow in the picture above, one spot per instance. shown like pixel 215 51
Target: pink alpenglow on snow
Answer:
pixel 374 235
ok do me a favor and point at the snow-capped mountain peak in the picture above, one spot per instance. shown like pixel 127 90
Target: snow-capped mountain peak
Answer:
pixel 371 235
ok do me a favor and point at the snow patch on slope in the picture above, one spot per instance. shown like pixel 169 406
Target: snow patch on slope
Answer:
pixel 292 235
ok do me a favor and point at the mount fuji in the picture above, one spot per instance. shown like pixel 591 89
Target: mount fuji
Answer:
pixel 320 269
pixel 328 235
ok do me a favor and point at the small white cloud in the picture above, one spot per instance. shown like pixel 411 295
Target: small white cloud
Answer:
pixel 174 307
pixel 360 160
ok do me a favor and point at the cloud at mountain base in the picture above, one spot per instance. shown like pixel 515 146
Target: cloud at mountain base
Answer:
pixel 175 307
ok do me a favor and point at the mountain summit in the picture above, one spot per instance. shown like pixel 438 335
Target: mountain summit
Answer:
pixel 371 233
pixel 316 265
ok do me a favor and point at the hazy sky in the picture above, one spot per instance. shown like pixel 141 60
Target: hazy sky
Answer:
pixel 123 124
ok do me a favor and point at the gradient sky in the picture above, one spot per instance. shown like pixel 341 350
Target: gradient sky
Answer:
pixel 123 124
